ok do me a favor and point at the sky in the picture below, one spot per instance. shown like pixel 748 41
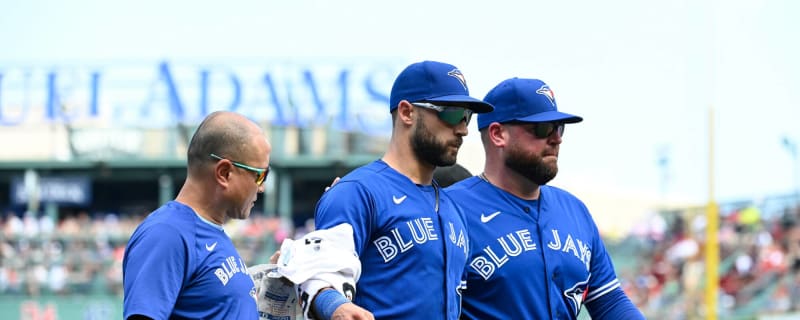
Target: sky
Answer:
pixel 642 74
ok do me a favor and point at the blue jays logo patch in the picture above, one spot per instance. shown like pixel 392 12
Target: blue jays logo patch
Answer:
pixel 545 91
pixel 455 73
pixel 577 294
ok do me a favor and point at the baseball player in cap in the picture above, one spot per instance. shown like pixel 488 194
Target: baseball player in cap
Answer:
pixel 535 252
pixel 408 234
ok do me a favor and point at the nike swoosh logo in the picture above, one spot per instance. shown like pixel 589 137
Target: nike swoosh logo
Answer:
pixel 399 200
pixel 211 247
pixel 485 218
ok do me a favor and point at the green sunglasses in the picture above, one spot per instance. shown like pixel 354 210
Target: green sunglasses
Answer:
pixel 261 174
pixel 541 130
pixel 450 115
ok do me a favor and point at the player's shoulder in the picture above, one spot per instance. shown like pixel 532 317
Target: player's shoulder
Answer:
pixel 367 174
pixel 552 194
pixel 464 186
pixel 368 180
pixel 169 213
pixel 557 192
pixel 172 217
pixel 376 177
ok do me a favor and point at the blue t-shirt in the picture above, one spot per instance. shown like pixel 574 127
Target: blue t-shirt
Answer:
pixel 530 259
pixel 180 266
pixel 412 257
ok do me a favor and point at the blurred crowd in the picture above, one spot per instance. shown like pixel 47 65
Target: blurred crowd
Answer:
pixel 660 263
pixel 81 254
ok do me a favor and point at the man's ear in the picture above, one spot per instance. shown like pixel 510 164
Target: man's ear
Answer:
pixel 405 112
pixel 222 172
pixel 498 134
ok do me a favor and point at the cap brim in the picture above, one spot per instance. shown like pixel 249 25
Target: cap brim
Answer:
pixel 478 106
pixel 549 116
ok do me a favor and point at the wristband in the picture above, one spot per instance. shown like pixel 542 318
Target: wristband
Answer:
pixel 327 301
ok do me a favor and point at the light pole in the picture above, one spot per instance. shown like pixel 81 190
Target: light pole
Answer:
pixel 791 146
pixel 663 162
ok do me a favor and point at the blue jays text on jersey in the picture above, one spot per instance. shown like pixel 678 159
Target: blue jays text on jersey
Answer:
pixel 413 258
pixel 421 230
pixel 516 242
pixel 530 259
pixel 178 265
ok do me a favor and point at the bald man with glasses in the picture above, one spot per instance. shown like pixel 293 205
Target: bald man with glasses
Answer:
pixel 179 263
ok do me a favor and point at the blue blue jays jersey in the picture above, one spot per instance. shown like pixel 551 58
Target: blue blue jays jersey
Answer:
pixel 412 258
pixel 530 259
pixel 179 266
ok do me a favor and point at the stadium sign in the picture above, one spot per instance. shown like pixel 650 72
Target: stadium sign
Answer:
pixel 346 96
pixel 72 190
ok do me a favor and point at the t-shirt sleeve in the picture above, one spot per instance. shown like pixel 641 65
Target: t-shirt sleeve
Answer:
pixel 155 267
pixel 347 202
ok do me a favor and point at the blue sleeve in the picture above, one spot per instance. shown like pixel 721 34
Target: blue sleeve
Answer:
pixel 347 202
pixel 613 305
pixel 153 271
pixel 603 277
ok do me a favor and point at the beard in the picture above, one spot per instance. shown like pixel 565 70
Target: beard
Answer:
pixel 531 166
pixel 428 149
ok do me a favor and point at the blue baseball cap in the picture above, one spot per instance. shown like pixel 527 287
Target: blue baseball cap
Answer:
pixel 525 100
pixel 431 81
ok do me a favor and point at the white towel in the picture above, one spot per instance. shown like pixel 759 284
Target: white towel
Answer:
pixel 323 258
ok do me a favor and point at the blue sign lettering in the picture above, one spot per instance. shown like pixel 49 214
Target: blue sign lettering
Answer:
pixel 344 97
pixel 4 119
pixel 61 190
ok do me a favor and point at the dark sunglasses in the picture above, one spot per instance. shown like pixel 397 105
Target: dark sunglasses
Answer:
pixel 541 130
pixel 261 174
pixel 450 115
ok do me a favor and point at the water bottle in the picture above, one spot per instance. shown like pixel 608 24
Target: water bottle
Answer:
pixel 276 296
